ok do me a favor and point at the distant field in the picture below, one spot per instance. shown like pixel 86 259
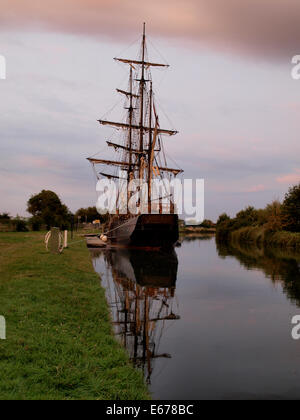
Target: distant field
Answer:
pixel 59 338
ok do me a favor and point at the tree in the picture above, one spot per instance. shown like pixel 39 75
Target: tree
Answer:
pixel 47 208
pixel 223 218
pixel 89 214
pixel 273 214
pixel 291 209
pixel 207 224
pixel 20 225
pixel 247 217
pixel 4 217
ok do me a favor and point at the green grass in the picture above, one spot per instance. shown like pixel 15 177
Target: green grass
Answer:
pixel 59 342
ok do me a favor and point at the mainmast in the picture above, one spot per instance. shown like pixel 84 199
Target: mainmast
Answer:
pixel 142 87
pixel 150 150
pixel 130 124
pixel 129 173
pixel 131 152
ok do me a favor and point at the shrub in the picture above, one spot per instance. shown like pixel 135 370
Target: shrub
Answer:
pixel 4 217
pixel 20 225
pixel 274 216
pixel 207 224
pixel 291 209
pixel 36 223
pixel 247 217
pixel 223 218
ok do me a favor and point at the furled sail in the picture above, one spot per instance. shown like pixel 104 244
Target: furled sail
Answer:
pixel 127 93
pixel 137 127
pixel 117 163
pixel 146 63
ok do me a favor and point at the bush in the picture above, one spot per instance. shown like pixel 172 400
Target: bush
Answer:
pixel 291 209
pixel 223 218
pixel 273 213
pixel 20 225
pixel 36 224
pixel 247 217
pixel 4 217
pixel 207 224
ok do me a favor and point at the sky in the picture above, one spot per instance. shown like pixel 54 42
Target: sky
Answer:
pixel 229 93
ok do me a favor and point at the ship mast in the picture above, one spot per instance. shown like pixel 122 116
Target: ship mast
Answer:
pixel 142 88
pixel 129 173
pixel 150 150
pixel 130 125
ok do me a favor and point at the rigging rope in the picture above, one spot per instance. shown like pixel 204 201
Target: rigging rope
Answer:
pixel 118 227
pixel 149 39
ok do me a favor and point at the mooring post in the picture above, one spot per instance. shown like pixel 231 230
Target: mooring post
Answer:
pixel 65 239
pixel 2 328
pixel 54 240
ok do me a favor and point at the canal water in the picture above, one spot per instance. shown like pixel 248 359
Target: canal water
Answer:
pixel 207 321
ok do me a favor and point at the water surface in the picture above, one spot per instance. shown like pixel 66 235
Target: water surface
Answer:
pixel 207 321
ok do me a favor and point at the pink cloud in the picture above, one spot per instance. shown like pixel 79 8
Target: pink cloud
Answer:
pixel 235 188
pixel 292 178
pixel 256 188
pixel 265 27
pixel 35 161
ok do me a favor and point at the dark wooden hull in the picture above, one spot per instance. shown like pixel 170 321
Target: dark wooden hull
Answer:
pixel 146 230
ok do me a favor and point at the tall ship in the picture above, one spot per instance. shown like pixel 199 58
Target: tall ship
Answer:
pixel 140 156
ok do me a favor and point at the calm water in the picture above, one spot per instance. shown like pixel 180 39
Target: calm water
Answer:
pixel 207 322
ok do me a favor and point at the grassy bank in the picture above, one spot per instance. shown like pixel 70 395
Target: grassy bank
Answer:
pixel 59 337
pixel 276 225
pixel 195 230
pixel 261 236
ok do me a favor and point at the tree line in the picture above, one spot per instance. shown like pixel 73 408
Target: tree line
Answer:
pixel 275 217
pixel 47 210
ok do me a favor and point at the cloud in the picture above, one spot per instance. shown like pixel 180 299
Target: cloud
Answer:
pixel 292 178
pixel 256 188
pixel 270 28
pixel 36 162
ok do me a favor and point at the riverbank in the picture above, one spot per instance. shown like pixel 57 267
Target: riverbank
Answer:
pixel 260 236
pixel 60 343
pixel 196 230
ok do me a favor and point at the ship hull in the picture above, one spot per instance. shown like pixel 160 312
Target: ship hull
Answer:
pixel 146 230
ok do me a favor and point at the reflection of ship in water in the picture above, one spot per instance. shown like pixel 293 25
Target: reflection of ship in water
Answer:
pixel 142 298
